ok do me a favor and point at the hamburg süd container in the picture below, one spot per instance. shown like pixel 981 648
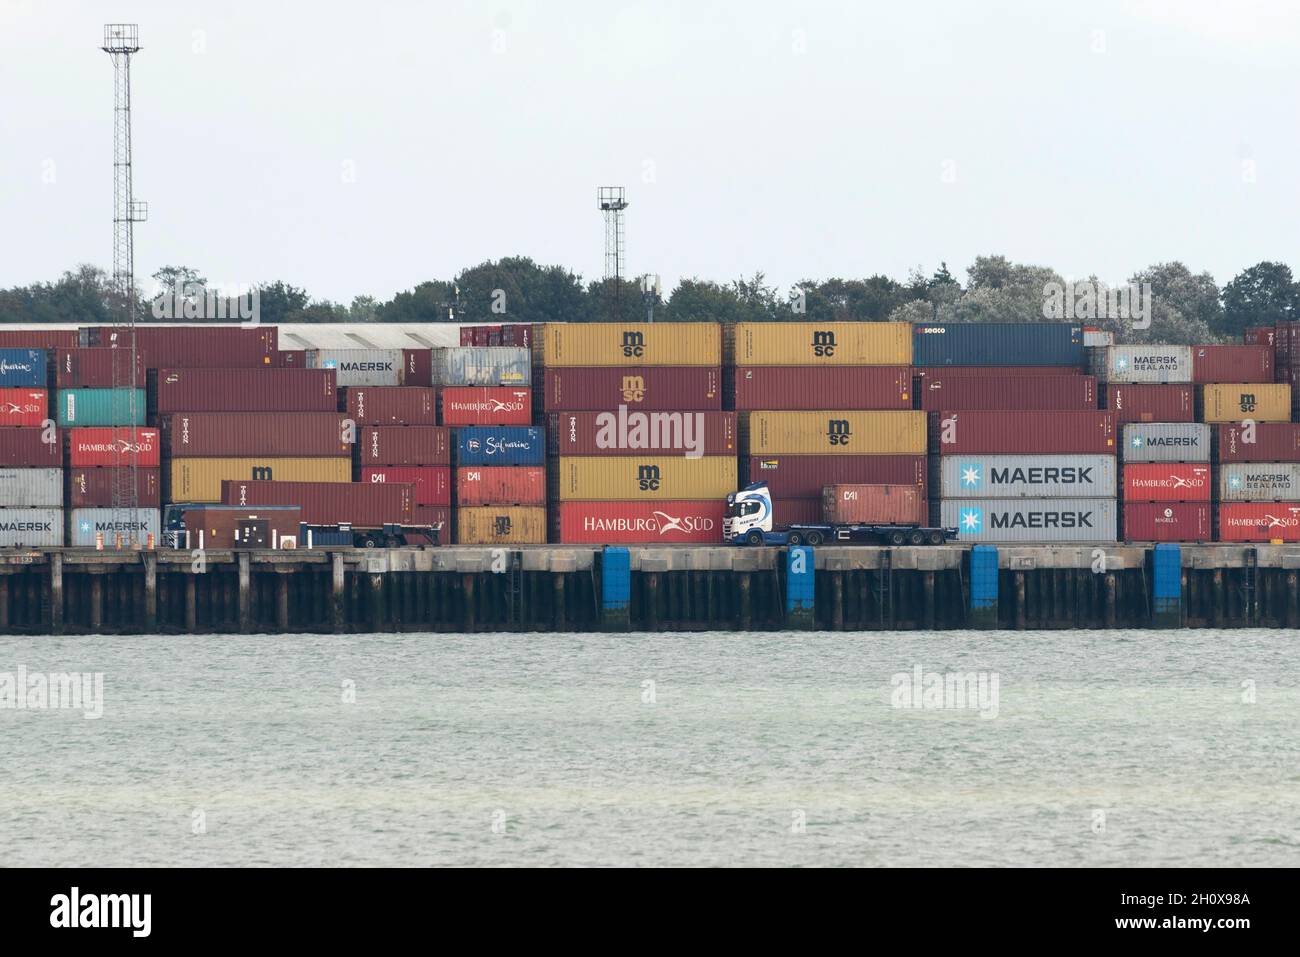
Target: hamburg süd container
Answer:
pixel 629 478
pixel 31 447
pixel 432 482
pixel 192 346
pixel 997 344
pixel 1166 482
pixel 360 366
pixel 199 479
pixel 839 432
pixel 1166 442
pixel 405 445
pixel 246 390
pixel 392 405
pixel 329 503
pixel 101 407
pixel 510 366
pixel 1259 482
pixel 804 476
pixel 501 485
pixel 1266 442
pixel 486 406
pixel 229 526
pixel 500 445
pixel 631 523
pixel 19 407
pixel 31 527
pixel 1029 433
pixel 24 368
pixel 604 389
pixel 823 344
pixel 630 344
pixel 1247 363
pixel 633 432
pixel 1258 522
pixel 938 391
pixel 93 487
pixel 1149 403
pixel 834 387
pixel 85 525
pixel 97 368
pixel 1026 476
pixel 878 504
pixel 31 488
pixel 237 434
pixel 1150 364
pixel 1168 522
pixel 113 446
pixel 1030 520
pixel 501 525
pixel 1236 402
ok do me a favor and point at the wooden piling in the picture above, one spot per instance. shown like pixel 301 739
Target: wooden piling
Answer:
pixel 245 595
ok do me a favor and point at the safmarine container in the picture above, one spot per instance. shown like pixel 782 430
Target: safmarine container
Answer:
pixel 823 344
pixel 1166 482
pixel 624 477
pixel 635 432
pixel 1149 403
pixel 997 344
pixel 432 482
pixel 1030 433
pixel 392 405
pixel 106 447
pixel 486 406
pixel 1235 402
pixel 1247 363
pixel 236 434
pixel 327 503
pixel 1030 520
pixel 1272 442
pixel 1166 442
pixel 483 366
pixel 31 527
pixel 93 487
pixel 1259 482
pixel 1168 522
pixel 101 407
pixel 839 432
pixel 938 391
pixel 867 504
pixel 23 368
pixel 199 479
pixel 501 485
pixel 246 390
pixel 804 476
pixel 86 524
pixel 834 387
pixel 360 366
pixel 31 447
pixel 1258 522
pixel 97 368
pixel 1026 476
pixel 501 525
pixel 194 346
pixel 1150 364
pixel 632 523
pixel 19 407
pixel 31 488
pixel 500 445
pixel 643 388
pixel 405 445
pixel 631 344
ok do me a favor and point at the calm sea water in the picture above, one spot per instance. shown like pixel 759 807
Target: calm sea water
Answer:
pixel 1108 748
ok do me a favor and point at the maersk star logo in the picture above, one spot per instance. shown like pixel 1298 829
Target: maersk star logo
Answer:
pixel 1121 363
pixel 85 526
pixel 1234 482
pixel 1137 441
pixel 970 475
pixel 971 519
pixel 330 364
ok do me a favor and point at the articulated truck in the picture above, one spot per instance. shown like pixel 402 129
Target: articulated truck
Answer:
pixel 749 520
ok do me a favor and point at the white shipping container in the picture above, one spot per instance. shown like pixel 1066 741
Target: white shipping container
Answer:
pixel 1166 442
pixel 360 366
pixel 1027 476
pixel 85 523
pixel 31 488
pixel 1259 482
pixel 483 366
pixel 1141 364
pixel 1098 337
pixel 1030 519
pixel 31 527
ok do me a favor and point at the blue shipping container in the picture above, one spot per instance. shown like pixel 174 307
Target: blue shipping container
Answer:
pixel 23 368
pixel 500 445
pixel 997 344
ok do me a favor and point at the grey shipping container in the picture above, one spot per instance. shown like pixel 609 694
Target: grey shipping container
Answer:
pixel 85 523
pixel 1166 442
pixel 483 366
pixel 1141 363
pixel 1026 476
pixel 31 527
pixel 360 366
pixel 1259 482
pixel 1030 519
pixel 31 488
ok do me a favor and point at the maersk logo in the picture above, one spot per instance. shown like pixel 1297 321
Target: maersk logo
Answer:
pixel 365 366
pixel 1045 519
pixel 971 520
pixel 1234 482
pixel 972 475
pixel 1137 442
pixel 115 526
pixel 26 527
pixel 1046 475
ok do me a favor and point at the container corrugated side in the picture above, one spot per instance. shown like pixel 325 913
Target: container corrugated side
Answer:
pixel 392 405
pixel 483 366
pixel 997 344
pixel 629 432
pixel 631 344
pixel 1232 363
pixel 101 407
pixel 804 476
pixel 866 504
pixel 432 482
pixel 246 390
pixel 405 445
pixel 603 389
pixel 1149 403
pixel 31 447
pixel 23 368
pixel 195 346
pixel 24 407
pixel 93 487
pixel 1168 522
pixel 199 479
pixel 622 477
pixel 31 488
pixel 1029 433
pixel 417 366
pixel 632 523
pixel 237 434
pixel 823 344
pixel 792 388
pixel 839 432
pixel 31 528
pixel 500 445
pixel 113 446
pixel 360 366
pixel 1030 520
pixel 501 525
pixel 1259 482
pixel 97 368
pixel 327 503
pixel 1026 476
pixel 1265 442
pixel 501 485
pixel 37 338
pixel 997 392
pixel 474 405
pixel 1140 363
pixel 85 524
pixel 1237 401
pixel 1258 522
pixel 1166 442
pixel 1166 482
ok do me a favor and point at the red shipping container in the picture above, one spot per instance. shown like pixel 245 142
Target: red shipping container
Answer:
pixel 796 511
pixel 93 487
pixel 790 388
pixel 466 335
pixel 1274 442
pixel 432 482
pixel 865 504
pixel 518 334
pixel 392 405
pixel 1030 433
pixel 651 388
pixel 501 485
pixel 1259 521
pixel 1232 363
pixel 470 405
pixel 1259 336
pixel 804 476
pixel 1166 482
pixel 615 523
pixel 593 433
pixel 247 390
pixel 405 445
pixel 1150 403
pixel 94 368
pixel 292 359
pixel 983 372
pixel 1007 392
pixel 1168 522
pixel 329 503
pixel 109 446
pixel 481 335
pixel 494 335
pixel 439 516
pixel 20 407
pixel 27 448
pixel 195 346
pixel 417 365
pixel 48 339
pixel 241 434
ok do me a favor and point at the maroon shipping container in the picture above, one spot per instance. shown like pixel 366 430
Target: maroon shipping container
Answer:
pixel 492 405
pixel 804 476
pixel 435 515
pixel 467 335
pixel 650 388
pixel 405 445
pixel 1168 522
pixel 329 503
pixel 1150 403
pixel 417 367
pixel 94 368
pixel 93 487
pixel 48 339
pixel 796 511
pixel 790 388
pixel 1030 433
pixel 1007 392
pixel 1286 343
pixel 246 390
pixel 1274 442
pixel 1232 364
pixel 1259 336
pixel 196 346
pixel 392 405
pixel 501 485
pixel 432 482
pixel 633 433
pixel 868 504
pixel 292 358
pixel 518 334
pixel 27 448
pixel 106 446
pixel 1005 372
pixel 239 434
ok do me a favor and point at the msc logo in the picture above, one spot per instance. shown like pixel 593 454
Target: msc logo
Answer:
pixel 633 345
pixel 837 430
pixel 823 343
pixel 633 387
pixel 1247 402
pixel 501 526
pixel 262 473
pixel 647 478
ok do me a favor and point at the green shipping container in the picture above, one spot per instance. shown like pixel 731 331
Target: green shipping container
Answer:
pixel 100 407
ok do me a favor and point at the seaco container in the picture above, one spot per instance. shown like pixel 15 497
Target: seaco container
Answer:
pixel 837 433
pixel 1029 433
pixel 360 366
pixel 631 523
pixel 631 344
pixel 1166 482
pixel 432 482
pixel 486 406
pixel 1236 402
pixel 997 344
pixel 25 406
pixel 1168 522
pixel 235 434
pixel 193 347
pixel 938 391
pixel 835 387
pixel 1150 364
pixel 501 485
pixel 108 447
pixel 501 525
pixel 31 488
pixel 23 368
pixel 329 503
pixel 199 480
pixel 1272 442
pixel 483 366
pixel 1258 521
pixel 1166 442
pixel 823 344
pixel 405 445
pixel 246 390
pixel 625 432
pixel 392 405
pixel 643 388
pixel 85 525
pixel 500 445
pixel 867 504
pixel 804 476
pixel 97 368
pixel 1149 403
pixel 31 448
pixel 1248 363
pixel 93 487
pixel 626 477
pixel 31 527
pixel 1259 482
pixel 1030 519
pixel 1026 476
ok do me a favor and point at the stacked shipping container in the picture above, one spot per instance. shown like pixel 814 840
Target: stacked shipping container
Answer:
pixel 31 473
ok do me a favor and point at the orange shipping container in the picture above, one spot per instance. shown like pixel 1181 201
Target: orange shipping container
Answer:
pixel 867 504
pixel 501 525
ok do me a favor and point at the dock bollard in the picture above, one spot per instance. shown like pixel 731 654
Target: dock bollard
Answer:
pixel 800 588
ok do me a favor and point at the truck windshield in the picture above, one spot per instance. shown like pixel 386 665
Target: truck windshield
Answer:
pixel 742 509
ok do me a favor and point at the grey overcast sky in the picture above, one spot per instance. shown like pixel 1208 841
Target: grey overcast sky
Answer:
pixel 360 148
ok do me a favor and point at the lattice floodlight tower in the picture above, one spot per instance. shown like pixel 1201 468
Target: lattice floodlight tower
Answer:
pixel 612 202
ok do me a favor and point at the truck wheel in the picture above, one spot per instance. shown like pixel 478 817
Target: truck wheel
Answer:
pixel 916 538
pixel 936 538
pixel 370 541
pixel 754 538
pixel 795 539
pixel 814 538
pixel 897 538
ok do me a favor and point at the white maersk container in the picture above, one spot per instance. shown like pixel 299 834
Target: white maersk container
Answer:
pixel 1259 482
pixel 483 366
pixel 1166 442
pixel 1029 520
pixel 85 523
pixel 1141 364
pixel 31 527
pixel 360 366
pixel 31 488
pixel 1027 476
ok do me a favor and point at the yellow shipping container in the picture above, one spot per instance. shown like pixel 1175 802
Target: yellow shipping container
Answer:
pixel 837 433
pixel 199 480
pixel 653 478
pixel 1260 401
pixel 632 344
pixel 501 525
pixel 823 344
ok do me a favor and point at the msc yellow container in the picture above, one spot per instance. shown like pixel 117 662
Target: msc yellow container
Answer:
pixel 632 344
pixel 823 344
pixel 199 480
pixel 653 478
pixel 501 525
pixel 1233 402
pixel 837 433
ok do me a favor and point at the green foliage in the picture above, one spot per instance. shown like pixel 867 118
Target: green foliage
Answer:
pixel 1263 295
